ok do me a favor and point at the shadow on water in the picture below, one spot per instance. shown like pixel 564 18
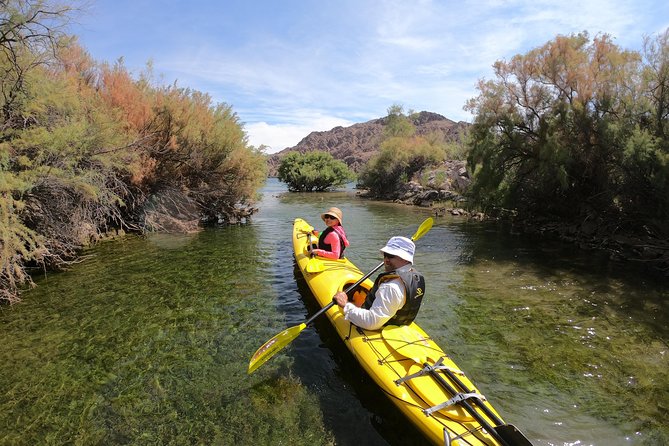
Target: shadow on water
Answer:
pixel 637 293
pixel 353 405
pixel 588 331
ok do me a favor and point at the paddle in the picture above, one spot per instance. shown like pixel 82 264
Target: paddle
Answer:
pixel 278 342
pixel 409 344
pixel 313 265
pixel 316 264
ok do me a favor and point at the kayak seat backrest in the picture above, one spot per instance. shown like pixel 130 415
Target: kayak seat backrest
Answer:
pixel 357 295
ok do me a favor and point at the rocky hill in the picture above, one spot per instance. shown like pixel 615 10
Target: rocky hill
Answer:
pixel 356 144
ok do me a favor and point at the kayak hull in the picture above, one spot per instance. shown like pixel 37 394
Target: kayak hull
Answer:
pixel 415 373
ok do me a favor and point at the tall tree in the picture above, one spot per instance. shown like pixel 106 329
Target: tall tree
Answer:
pixel 398 123
pixel 656 79
pixel 30 33
pixel 645 160
pixel 550 132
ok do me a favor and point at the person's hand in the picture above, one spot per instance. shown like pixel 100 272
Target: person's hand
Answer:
pixel 341 298
pixel 315 232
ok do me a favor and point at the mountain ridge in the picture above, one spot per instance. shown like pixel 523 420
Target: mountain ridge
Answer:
pixel 355 145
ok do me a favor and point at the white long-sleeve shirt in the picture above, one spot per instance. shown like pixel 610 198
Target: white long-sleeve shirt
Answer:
pixel 389 299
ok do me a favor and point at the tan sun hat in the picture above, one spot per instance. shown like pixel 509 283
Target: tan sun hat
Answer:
pixel 333 212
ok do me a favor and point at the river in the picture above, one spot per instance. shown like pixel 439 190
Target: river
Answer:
pixel 147 340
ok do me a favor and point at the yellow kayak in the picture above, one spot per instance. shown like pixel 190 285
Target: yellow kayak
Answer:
pixel 415 373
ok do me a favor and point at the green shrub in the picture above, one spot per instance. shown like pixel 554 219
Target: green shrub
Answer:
pixel 313 171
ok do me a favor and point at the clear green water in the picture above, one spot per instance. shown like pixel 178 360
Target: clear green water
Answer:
pixel 147 341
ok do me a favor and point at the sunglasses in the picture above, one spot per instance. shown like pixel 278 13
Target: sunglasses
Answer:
pixel 330 217
pixel 388 256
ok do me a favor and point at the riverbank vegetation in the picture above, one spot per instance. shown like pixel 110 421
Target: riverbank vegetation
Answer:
pixel 402 155
pixel 568 139
pixel 573 136
pixel 87 150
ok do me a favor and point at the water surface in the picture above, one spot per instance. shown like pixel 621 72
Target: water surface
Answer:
pixel 148 340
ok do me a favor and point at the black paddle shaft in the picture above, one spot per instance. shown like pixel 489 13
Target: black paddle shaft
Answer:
pixel 331 304
pixel 511 434
pixel 482 421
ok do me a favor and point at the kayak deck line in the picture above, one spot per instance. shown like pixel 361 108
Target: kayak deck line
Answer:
pixel 420 402
pixel 429 368
pixel 457 398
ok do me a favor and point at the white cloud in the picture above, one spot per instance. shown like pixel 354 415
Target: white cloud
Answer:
pixel 280 136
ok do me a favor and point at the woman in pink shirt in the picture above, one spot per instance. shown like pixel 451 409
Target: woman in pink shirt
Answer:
pixel 332 241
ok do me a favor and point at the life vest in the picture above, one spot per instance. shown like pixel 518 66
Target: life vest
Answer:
pixel 414 290
pixel 326 246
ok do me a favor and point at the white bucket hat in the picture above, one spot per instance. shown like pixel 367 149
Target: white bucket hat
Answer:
pixel 401 247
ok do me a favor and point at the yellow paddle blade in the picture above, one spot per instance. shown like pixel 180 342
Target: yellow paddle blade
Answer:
pixel 314 266
pixel 409 343
pixel 423 228
pixel 271 347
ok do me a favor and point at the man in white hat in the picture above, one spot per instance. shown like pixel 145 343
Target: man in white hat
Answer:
pixel 396 295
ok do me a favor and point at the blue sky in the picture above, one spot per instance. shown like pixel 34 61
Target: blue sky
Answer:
pixel 289 67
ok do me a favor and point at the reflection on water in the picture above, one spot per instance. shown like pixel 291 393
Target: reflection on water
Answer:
pixel 148 340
